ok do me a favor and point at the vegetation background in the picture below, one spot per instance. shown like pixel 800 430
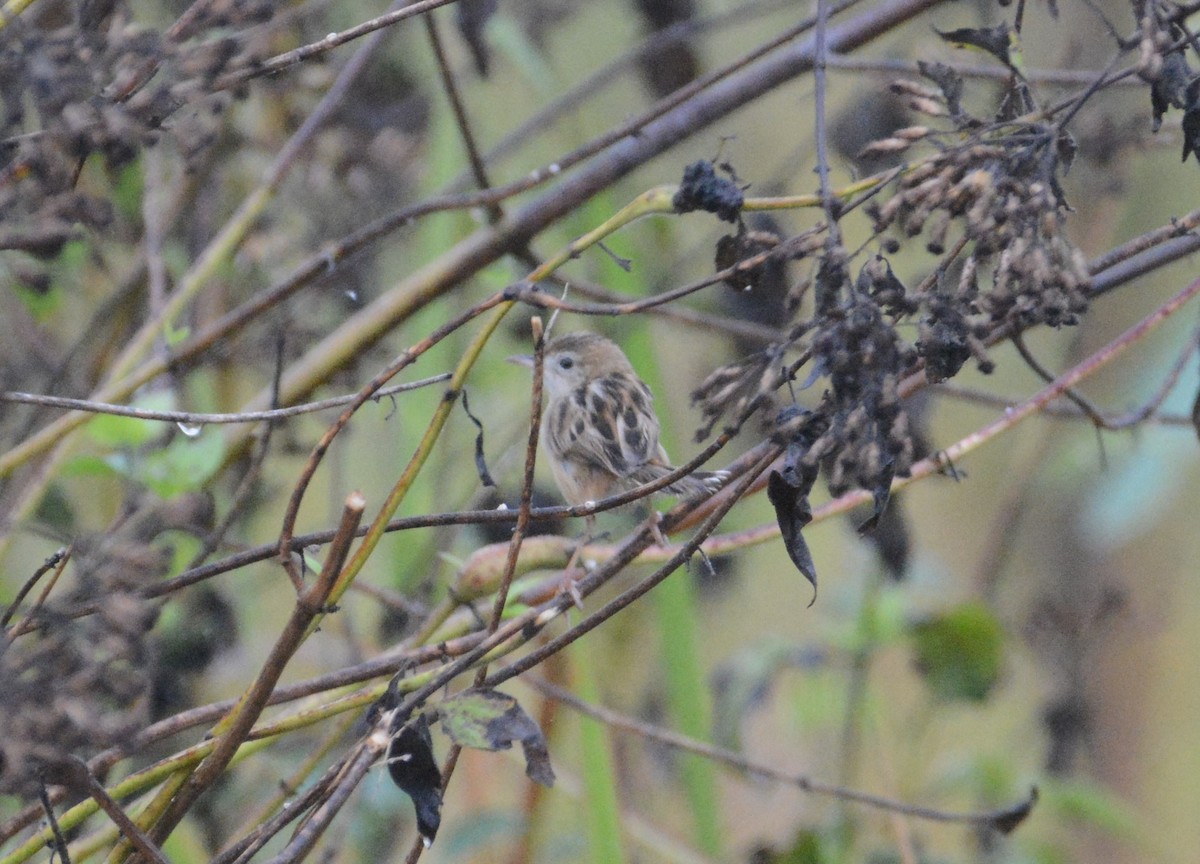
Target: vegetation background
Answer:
pixel 194 219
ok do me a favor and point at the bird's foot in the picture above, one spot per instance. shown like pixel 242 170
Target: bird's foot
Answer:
pixel 653 522
pixel 574 570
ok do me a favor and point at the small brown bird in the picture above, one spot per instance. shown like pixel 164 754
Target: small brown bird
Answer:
pixel 598 427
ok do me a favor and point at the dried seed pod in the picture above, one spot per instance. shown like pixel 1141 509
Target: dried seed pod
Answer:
pixel 905 87
pixel 884 147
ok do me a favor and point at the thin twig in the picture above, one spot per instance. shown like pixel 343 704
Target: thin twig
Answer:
pixel 248 481
pixel 526 505
pixel 60 842
pixel 249 845
pixel 120 818
pixel 478 169
pixel 289 787
pixel 759 333
pixel 354 769
pixel 738 762
pixel 790 247
pixel 1047 376
pixel 234 729
pixel 28 621
pixel 820 54
pixel 1176 229
pixel 333 40
pixel 890 66
pixel 192 418
pixel 407 358
pixel 47 565
pixel 594 580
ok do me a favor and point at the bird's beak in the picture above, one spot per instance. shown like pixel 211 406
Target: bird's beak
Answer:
pixel 525 360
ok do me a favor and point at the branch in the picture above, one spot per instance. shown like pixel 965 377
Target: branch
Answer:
pixel 200 419
pixel 736 761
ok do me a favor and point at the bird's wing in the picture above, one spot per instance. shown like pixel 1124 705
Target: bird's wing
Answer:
pixel 620 434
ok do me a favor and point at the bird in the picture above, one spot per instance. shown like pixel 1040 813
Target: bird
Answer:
pixel 599 428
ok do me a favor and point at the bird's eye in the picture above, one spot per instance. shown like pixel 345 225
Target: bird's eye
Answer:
pixel 566 362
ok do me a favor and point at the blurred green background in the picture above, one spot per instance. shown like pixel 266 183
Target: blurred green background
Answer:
pixel 1043 631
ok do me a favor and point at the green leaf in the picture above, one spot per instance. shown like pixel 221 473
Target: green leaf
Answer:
pixel 128 190
pixel 118 432
pixel 960 653
pixel 807 847
pixel 184 465
pixel 89 466
pixel 40 304
pixel 175 335
pixel 491 720
pixel 1086 802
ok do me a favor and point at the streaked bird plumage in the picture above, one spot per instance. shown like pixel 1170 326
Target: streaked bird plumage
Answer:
pixel 599 427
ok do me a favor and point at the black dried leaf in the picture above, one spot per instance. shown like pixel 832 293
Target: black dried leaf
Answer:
pixel 732 249
pixel 94 13
pixel 472 17
pixel 892 540
pixel 1009 820
pixel 480 463
pixel 1191 122
pixel 877 280
pixel 1170 89
pixel 414 770
pixel 942 341
pixel 787 490
pixel 948 81
pixel 1060 197
pixel 661 14
pixel 702 189
pixel 44 244
pixel 997 41
pixel 1018 100
pixel 793 512
pixel 830 282
pixel 880 494
pixel 1196 414
pixel 1066 148
pixel 491 720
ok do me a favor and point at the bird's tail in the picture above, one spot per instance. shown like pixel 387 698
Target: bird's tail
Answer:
pixel 696 483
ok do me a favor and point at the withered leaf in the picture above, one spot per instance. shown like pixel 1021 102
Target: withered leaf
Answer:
pixel 787 490
pixel 1169 90
pixel 948 81
pixel 1196 414
pixel 1008 820
pixel 1066 148
pixel 1191 122
pixel 892 541
pixel 472 17
pixel 414 770
pixel 490 720
pixel 880 495
pixel 702 189
pixel 999 41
